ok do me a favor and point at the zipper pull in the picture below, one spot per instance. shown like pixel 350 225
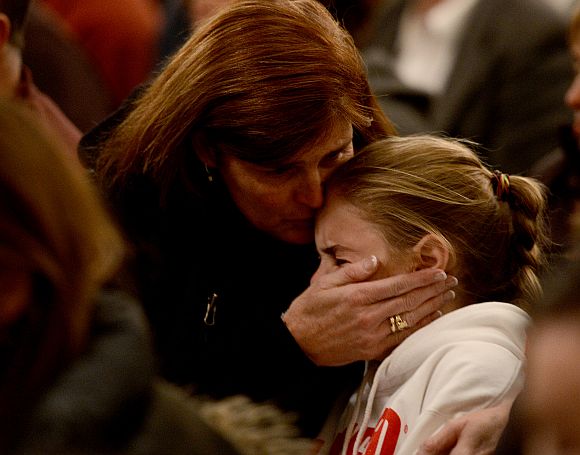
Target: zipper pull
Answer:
pixel 209 318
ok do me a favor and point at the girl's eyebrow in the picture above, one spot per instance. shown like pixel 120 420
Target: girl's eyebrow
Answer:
pixel 333 249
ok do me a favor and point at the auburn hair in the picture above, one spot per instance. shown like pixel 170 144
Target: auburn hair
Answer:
pixel 260 80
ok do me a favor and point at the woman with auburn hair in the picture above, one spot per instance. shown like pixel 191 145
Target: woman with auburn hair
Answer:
pixel 422 202
pixel 215 170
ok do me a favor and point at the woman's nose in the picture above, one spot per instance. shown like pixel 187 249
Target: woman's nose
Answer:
pixel 311 191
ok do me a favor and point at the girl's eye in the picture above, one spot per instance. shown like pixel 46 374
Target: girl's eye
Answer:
pixel 340 262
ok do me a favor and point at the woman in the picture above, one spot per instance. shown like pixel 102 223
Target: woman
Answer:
pixel 428 202
pixel 215 171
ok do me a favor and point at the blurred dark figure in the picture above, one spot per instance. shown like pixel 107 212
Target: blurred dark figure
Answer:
pixel 120 38
pixel 493 71
pixel 357 16
pixel 16 79
pixel 63 70
pixel 546 416
pixel 181 18
pixel 560 169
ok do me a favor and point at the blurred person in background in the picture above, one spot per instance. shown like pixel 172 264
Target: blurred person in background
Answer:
pixel 120 38
pixel 62 69
pixel 182 18
pixel 491 71
pixel 545 417
pixel 16 81
pixel 549 407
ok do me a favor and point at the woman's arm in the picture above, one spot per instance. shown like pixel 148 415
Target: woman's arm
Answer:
pixel 476 433
pixel 342 310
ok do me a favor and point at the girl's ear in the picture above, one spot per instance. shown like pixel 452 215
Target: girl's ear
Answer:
pixel 431 252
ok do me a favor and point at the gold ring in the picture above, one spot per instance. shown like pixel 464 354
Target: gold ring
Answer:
pixel 398 323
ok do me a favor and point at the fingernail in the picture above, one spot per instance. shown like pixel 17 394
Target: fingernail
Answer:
pixel 439 276
pixel 451 282
pixel 448 296
pixel 370 264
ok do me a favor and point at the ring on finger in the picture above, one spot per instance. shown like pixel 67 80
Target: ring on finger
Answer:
pixel 398 323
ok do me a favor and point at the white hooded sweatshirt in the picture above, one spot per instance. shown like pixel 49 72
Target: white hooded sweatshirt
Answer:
pixel 469 359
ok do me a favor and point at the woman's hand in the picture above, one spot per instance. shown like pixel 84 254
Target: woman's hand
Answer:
pixel 341 318
pixel 476 433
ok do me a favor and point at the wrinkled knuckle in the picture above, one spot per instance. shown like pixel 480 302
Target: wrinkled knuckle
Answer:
pixel 360 297
pixel 399 287
pixel 408 302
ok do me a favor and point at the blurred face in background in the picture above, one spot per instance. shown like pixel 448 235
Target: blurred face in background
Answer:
pixel 551 403
pixel 572 97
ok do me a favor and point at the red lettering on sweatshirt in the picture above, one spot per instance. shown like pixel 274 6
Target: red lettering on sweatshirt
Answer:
pixel 382 440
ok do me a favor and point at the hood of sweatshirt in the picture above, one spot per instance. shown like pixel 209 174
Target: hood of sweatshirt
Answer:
pixel 468 339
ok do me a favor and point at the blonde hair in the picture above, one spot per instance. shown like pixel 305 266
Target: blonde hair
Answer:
pixel 260 80
pixel 413 186
pixel 55 231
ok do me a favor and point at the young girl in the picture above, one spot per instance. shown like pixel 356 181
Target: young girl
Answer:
pixel 427 202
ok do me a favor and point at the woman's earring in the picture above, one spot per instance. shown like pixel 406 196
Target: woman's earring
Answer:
pixel 208 174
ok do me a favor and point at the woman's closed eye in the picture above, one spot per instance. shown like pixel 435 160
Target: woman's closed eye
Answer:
pixel 338 156
pixel 282 170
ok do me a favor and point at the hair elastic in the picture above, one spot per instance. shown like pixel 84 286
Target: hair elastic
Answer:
pixel 500 183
